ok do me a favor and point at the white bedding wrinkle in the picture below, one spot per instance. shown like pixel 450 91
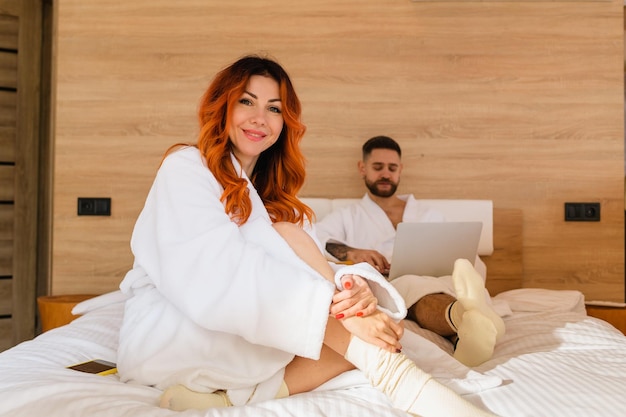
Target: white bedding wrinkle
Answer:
pixel 539 299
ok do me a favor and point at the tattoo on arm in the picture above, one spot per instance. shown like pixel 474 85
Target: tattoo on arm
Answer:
pixel 338 250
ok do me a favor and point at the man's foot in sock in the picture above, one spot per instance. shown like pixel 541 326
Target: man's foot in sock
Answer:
pixel 478 326
pixel 470 292
pixel 477 339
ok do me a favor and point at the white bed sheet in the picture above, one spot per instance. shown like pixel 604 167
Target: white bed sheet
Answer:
pixel 553 361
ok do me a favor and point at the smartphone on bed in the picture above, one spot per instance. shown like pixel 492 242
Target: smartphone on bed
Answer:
pixel 96 366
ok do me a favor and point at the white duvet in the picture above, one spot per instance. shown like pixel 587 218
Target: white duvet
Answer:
pixel 553 361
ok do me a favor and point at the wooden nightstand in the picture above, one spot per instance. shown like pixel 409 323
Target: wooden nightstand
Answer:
pixel 56 310
pixel 614 315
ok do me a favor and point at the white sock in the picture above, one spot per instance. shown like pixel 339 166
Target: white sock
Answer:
pixel 478 326
pixel 408 387
pixel 453 313
pixel 477 337
pixel 283 391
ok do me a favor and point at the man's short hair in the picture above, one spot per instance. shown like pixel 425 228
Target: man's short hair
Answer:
pixel 380 142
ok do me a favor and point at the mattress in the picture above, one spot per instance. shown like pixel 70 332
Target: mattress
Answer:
pixel 553 361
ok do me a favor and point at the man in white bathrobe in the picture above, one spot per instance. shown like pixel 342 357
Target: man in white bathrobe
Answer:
pixel 459 309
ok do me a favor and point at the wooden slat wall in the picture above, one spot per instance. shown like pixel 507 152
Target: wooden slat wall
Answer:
pixel 6 334
pixel 7 182
pixel 7 121
pixel 9 29
pixel 21 87
pixel 518 102
pixel 6 274
pixel 6 240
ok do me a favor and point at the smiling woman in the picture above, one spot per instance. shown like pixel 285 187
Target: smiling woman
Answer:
pixel 225 254
pixel 261 92
pixel 256 121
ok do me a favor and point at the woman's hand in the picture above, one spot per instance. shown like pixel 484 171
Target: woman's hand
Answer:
pixel 356 299
pixel 378 329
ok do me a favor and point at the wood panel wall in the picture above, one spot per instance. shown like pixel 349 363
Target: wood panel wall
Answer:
pixel 9 35
pixel 518 102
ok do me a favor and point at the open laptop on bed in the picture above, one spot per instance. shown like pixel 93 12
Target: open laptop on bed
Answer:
pixel 431 248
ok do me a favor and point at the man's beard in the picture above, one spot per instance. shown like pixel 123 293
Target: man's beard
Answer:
pixel 373 188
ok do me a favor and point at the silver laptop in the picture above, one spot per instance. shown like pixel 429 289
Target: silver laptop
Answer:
pixel 431 248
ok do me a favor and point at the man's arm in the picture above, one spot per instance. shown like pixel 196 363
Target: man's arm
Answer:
pixel 346 253
pixel 338 250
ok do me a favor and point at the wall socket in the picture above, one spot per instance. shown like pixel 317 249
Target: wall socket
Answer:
pixel 582 212
pixel 94 206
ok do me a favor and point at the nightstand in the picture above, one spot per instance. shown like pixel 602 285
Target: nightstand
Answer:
pixel 56 310
pixel 614 315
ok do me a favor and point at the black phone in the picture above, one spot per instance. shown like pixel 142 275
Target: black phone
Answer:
pixel 96 366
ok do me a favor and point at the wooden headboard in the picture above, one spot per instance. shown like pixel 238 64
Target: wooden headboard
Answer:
pixel 505 270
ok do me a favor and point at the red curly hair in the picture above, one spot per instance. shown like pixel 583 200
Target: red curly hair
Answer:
pixel 280 170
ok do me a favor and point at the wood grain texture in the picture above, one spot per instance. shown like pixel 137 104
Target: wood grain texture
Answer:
pixel 8 123
pixel 6 298
pixel 6 257
pixel 7 183
pixel 6 240
pixel 9 24
pixel 28 168
pixel 6 333
pixel 518 102
pixel 505 267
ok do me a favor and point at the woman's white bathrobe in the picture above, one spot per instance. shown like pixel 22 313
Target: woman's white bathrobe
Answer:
pixel 365 225
pixel 214 305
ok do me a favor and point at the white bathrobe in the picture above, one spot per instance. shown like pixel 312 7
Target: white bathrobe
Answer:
pixel 365 225
pixel 214 305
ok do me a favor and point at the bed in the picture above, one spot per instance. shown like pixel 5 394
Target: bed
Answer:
pixel 553 361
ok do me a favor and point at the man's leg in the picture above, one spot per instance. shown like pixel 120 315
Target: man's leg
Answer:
pixel 468 317
pixel 430 312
